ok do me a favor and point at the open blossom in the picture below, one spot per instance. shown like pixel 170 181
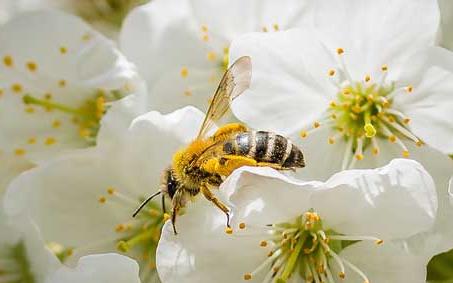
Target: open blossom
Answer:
pixel 359 85
pixel 352 228
pixel 111 268
pixel 84 200
pixel 181 46
pixel 23 256
pixel 59 78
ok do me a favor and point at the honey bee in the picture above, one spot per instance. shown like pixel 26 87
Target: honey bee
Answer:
pixel 208 159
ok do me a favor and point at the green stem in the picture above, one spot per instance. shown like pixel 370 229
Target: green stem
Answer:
pixel 291 263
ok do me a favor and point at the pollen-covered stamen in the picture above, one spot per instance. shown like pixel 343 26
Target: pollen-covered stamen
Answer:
pixel 86 116
pixel 137 237
pixel 304 248
pixel 14 264
pixel 363 112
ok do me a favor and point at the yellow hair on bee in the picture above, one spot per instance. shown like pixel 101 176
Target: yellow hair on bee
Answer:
pixel 183 157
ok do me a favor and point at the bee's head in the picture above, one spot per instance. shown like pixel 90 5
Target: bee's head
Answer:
pixel 169 183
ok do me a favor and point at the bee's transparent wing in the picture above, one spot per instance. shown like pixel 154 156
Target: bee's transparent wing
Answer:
pixel 234 82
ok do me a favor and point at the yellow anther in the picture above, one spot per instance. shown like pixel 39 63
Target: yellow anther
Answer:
pixel 1 92
pixel 62 83
pixel 409 88
pixel 242 225
pixel 8 61
pixel 333 104
pixel 406 120
pixel 405 153
pixel 19 152
pixel 30 109
pixel 184 72
pixel 392 138
pixel 102 199
pixel 331 72
pixel 120 228
pixel 56 124
pixel 367 78
pixel 123 246
pixel 269 254
pixel 419 143
pixel 63 50
pixel 16 88
pixel 205 37
pixel 356 109
pixel 276 27
pixel 204 28
pixel 247 276
pixel 375 151
pixel 333 116
pixel 31 140
pixel 211 56
pixel 346 91
pixel 370 130
pixel 84 132
pixel 303 134
pixel 50 141
pixel 379 242
pixel 316 124
pixel 48 96
pixel 228 230
pixel 188 92
pixel 342 275
pixel 100 107
pixel 384 68
pixel 391 119
pixel 32 66
pixel 340 51
pixel 331 140
pixel 359 156
pixel 385 102
pixel 166 216
pixel 263 244
pixel 111 190
pixel 264 29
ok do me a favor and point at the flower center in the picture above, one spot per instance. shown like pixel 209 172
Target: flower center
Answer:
pixel 304 248
pixel 363 112
pixel 14 265
pixel 139 236
pixel 86 116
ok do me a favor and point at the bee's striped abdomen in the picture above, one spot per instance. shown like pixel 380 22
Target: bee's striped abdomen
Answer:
pixel 265 147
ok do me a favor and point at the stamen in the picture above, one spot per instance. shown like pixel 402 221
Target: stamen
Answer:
pixel 347 154
pixel 357 270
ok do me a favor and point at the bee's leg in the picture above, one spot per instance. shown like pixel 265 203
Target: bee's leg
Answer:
pixel 163 204
pixel 212 198
pixel 226 131
pixel 173 220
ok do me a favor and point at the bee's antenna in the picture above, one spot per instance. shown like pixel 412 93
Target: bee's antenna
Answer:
pixel 145 202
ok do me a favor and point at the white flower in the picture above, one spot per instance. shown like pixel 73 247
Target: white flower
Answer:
pixel 59 77
pixel 101 268
pixel 358 86
pixel 23 256
pixel 181 46
pixel 287 230
pixel 84 200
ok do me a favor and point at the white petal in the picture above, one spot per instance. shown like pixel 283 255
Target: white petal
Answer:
pixel 386 263
pixel 68 66
pixel 41 261
pixel 375 33
pixel 446 12
pixel 430 72
pixel 288 89
pixel 10 167
pixel 188 256
pixel 102 268
pixel 64 192
pixel 251 192
pixel 450 190
pixel 395 201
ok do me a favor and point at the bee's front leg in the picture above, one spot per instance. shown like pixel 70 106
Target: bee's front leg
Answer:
pixel 212 198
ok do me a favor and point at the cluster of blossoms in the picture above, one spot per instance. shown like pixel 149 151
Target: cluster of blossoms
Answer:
pixel 89 123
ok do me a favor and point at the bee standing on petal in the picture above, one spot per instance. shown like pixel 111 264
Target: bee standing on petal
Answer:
pixel 204 163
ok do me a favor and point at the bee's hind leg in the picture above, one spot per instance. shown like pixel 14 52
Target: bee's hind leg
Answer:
pixel 212 198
